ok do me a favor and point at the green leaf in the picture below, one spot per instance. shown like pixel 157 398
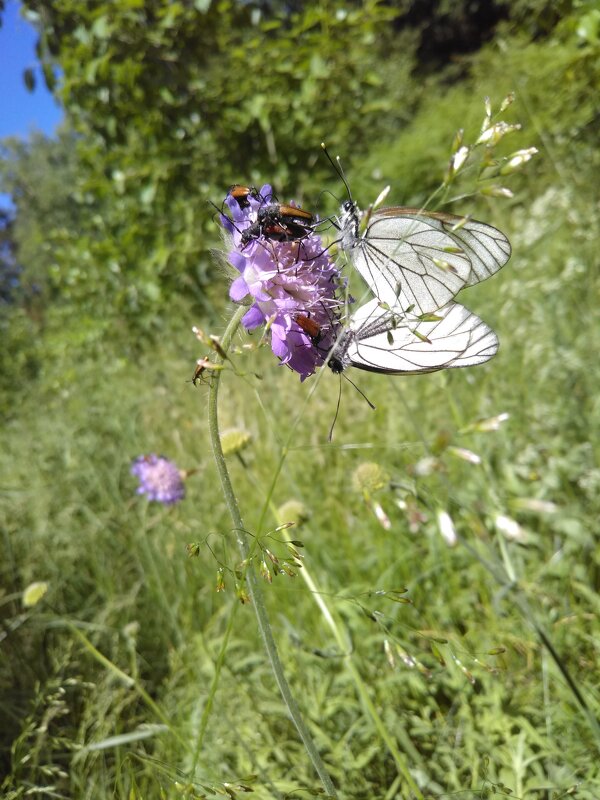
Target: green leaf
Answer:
pixel 589 27
pixel 119 740
pixel 101 28
pixel 148 194
pixel 29 79
pixel 49 77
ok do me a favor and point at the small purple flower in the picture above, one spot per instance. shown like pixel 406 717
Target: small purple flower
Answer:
pixel 160 479
pixel 293 285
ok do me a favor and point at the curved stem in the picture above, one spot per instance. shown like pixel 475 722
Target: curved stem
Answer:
pixel 254 588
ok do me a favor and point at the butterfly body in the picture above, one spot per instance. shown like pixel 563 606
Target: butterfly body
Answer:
pixel 349 224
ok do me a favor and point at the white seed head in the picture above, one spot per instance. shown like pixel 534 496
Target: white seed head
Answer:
pixel 510 528
pixel 446 528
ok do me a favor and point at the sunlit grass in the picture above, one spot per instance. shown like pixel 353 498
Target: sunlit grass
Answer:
pixel 460 667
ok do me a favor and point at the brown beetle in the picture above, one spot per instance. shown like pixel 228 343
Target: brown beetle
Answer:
pixel 242 193
pixel 279 222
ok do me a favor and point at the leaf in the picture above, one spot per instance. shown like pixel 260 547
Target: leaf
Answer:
pixel 49 77
pixel 148 194
pixel 101 28
pixel 144 732
pixel 29 79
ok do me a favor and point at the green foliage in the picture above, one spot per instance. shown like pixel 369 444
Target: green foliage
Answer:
pixel 171 82
pixel 173 103
pixel 40 174
pixel 20 357
pixel 104 682
pixel 552 81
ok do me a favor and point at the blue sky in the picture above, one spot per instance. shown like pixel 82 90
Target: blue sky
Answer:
pixel 20 110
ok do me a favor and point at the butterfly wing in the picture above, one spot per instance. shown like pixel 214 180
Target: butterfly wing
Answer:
pixel 425 258
pixel 486 247
pixel 385 341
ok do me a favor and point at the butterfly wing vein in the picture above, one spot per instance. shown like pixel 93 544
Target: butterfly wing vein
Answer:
pixel 422 261
pixel 458 339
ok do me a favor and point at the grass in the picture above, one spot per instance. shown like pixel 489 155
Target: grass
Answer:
pixel 106 679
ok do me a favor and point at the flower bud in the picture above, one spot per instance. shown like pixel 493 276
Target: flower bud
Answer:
pixel 497 191
pixel 517 160
pixel 234 440
pixel 492 135
pixel 446 528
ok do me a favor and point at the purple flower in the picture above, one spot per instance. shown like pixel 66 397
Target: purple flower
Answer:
pixel 293 285
pixel 159 478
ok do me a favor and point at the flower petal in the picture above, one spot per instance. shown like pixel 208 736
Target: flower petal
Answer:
pixel 238 289
pixel 253 318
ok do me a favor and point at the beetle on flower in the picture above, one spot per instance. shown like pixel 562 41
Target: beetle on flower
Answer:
pixel 286 281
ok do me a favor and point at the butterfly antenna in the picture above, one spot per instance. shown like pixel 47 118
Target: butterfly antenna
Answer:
pixel 337 411
pixel 337 165
pixel 360 391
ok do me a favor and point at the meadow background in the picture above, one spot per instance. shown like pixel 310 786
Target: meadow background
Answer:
pixel 132 677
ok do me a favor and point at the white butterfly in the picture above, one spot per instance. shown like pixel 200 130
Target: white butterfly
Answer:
pixel 415 261
pixel 423 258
pixel 391 341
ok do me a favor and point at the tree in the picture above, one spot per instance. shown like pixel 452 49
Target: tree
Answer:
pixel 174 101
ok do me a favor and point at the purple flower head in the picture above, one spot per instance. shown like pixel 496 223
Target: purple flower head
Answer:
pixel 160 479
pixel 293 284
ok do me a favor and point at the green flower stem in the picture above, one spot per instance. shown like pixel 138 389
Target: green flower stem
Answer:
pixel 253 584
